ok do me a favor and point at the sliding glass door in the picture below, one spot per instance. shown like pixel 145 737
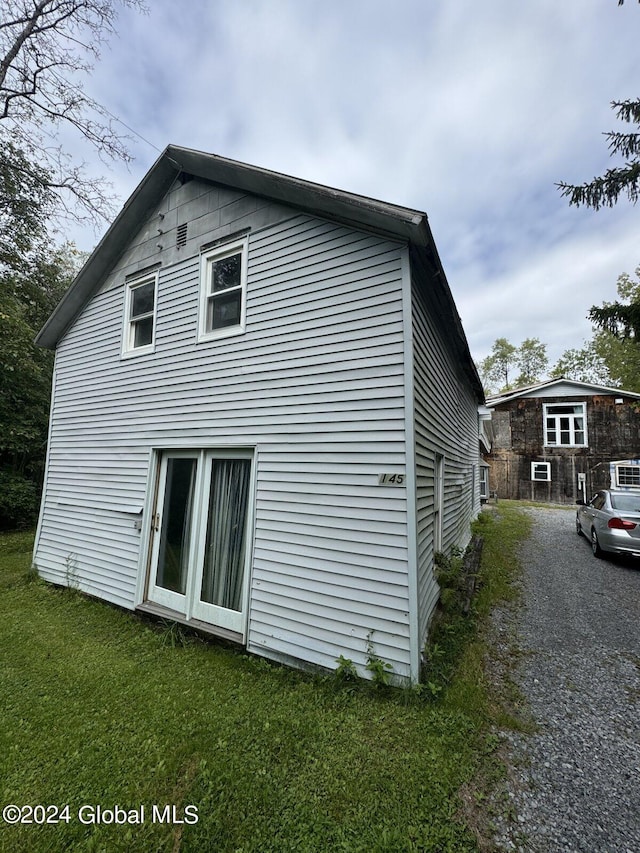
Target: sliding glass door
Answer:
pixel 201 535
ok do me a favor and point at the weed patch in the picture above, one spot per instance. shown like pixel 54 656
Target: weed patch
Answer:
pixel 494 700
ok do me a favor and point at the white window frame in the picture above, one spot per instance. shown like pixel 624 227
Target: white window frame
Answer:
pixel 128 329
pixel 187 605
pixel 207 260
pixel 634 476
pixel 548 413
pixel 484 482
pixel 544 467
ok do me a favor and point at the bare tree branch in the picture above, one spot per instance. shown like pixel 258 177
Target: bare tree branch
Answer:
pixel 44 46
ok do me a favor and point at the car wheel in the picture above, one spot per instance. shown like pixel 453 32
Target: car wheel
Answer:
pixel 578 527
pixel 595 545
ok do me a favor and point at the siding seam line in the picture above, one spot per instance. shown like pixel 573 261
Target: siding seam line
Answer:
pixel 47 462
pixel 410 470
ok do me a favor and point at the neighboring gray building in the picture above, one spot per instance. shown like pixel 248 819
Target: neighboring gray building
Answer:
pixel 265 416
pixel 555 441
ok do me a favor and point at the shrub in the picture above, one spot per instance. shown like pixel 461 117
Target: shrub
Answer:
pixel 18 501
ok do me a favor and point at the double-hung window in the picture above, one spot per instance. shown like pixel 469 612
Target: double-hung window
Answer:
pixel 223 278
pixel 565 425
pixel 140 315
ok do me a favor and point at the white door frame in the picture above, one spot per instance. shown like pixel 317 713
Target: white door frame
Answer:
pixel 168 598
pixel 189 605
pixel 211 613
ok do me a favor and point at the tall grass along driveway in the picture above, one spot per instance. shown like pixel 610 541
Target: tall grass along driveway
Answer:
pixel 128 740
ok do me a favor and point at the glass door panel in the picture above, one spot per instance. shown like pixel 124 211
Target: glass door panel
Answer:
pixel 175 535
pixel 200 535
pixel 226 533
pixel 221 582
pixel 173 530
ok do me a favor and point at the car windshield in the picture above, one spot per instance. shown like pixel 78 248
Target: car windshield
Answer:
pixel 626 503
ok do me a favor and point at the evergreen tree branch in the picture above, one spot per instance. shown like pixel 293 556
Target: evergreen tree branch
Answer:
pixel 628 110
pixel 625 144
pixel 605 190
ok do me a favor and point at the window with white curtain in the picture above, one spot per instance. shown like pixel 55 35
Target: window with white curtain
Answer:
pixel 224 555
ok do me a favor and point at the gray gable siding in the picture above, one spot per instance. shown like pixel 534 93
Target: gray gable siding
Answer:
pixel 315 385
pixel 210 212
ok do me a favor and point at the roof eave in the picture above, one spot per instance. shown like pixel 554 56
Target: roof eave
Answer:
pixel 497 400
pixel 157 180
pixel 401 222
pixel 394 221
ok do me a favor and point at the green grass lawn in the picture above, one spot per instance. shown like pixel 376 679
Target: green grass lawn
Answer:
pixel 98 708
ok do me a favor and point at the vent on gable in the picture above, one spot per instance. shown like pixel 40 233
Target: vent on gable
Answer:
pixel 181 236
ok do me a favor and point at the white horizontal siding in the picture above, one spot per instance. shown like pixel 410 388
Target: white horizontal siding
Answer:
pixel 93 548
pixel 445 424
pixel 315 385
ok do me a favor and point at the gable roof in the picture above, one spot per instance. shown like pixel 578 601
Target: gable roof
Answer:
pixel 557 388
pixel 348 208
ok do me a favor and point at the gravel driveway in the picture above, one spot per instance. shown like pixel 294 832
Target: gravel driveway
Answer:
pixel 575 783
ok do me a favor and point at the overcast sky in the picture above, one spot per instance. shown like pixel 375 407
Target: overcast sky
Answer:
pixel 470 111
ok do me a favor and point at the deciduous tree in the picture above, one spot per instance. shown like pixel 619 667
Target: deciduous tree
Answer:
pixel 496 368
pixel 25 204
pixel 33 276
pixel 622 359
pixel 27 297
pixel 46 46
pixel 583 364
pixel 532 361
pixel 617 332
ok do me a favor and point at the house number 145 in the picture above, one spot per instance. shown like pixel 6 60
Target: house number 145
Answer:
pixel 391 479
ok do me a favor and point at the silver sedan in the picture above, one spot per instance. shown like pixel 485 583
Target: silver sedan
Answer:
pixel 611 521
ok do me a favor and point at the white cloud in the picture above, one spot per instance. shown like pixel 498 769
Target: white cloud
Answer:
pixel 549 297
pixel 470 111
